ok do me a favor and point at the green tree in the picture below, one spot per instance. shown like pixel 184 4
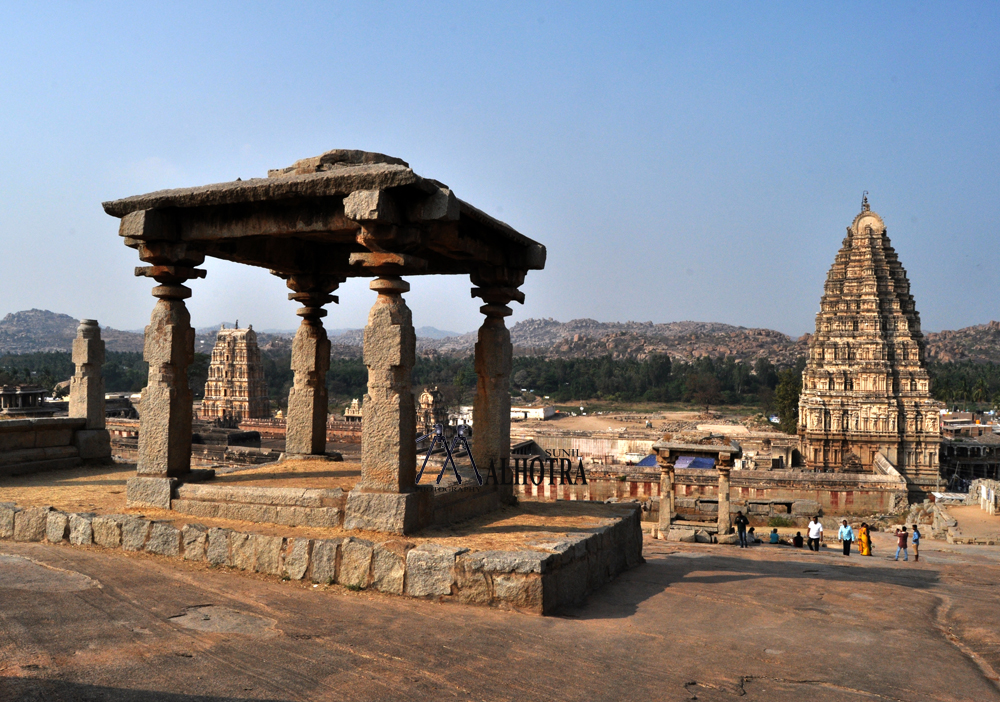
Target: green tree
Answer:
pixel 786 398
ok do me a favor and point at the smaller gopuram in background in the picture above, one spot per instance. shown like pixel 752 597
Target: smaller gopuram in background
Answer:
pixel 235 388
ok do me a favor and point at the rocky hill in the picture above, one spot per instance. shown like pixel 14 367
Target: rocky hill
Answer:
pixel 979 344
pixel 587 338
pixel 40 330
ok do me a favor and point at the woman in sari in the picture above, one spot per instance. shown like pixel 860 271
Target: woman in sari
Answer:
pixel 864 540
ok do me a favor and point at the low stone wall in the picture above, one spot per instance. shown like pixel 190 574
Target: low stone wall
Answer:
pixel 57 443
pixel 126 450
pixel 562 572
pixel 764 493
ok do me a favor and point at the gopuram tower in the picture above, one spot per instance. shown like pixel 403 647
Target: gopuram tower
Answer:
pixel 235 388
pixel 865 388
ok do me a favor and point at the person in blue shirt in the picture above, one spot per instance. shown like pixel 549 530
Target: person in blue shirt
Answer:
pixel 916 543
pixel 775 539
pixel 846 536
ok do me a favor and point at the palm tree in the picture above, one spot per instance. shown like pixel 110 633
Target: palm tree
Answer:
pixel 979 391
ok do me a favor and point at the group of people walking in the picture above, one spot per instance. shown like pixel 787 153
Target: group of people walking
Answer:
pixel 845 535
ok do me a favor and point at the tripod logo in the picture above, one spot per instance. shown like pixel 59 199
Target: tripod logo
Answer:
pixel 460 441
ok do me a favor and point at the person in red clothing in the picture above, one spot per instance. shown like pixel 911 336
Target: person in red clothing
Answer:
pixel 901 537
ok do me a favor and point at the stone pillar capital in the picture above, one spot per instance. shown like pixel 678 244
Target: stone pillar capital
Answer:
pixel 497 287
pixel 312 291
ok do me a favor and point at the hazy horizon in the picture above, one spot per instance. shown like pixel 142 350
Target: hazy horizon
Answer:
pixel 679 161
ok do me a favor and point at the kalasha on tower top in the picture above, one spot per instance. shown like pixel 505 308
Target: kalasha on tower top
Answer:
pixel 865 403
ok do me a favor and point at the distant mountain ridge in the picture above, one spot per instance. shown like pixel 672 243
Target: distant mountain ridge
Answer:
pixel 35 330
pixel 40 330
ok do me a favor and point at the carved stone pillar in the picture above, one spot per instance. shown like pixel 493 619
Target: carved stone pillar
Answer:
pixel 385 498
pixel 725 521
pixel 666 499
pixel 165 408
pixel 493 361
pixel 86 393
pixel 305 422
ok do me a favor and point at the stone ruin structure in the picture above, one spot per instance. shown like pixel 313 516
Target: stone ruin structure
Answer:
pixel 325 219
pixel 353 413
pixel 24 401
pixel 865 388
pixel 33 444
pixel 235 388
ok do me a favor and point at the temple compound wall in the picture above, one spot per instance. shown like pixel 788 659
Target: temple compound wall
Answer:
pixel 865 388
pixel 235 388
pixel 56 443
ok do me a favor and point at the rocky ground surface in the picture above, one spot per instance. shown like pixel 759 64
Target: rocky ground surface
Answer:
pixel 703 622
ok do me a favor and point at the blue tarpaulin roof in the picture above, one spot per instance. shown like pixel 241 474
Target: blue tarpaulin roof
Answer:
pixel 694 462
pixel 649 460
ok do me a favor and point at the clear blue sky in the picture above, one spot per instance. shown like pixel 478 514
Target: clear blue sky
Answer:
pixel 680 161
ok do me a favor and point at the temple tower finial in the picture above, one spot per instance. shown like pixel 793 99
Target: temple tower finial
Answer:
pixel 864 203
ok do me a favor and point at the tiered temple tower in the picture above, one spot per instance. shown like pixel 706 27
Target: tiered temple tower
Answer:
pixel 235 387
pixel 865 389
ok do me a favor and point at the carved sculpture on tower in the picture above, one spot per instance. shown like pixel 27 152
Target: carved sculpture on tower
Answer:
pixel 235 389
pixel 865 388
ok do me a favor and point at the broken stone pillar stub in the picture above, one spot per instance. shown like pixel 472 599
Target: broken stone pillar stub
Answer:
pixel 725 521
pixel 666 498
pixel 86 393
pixel 305 422
pixel 165 419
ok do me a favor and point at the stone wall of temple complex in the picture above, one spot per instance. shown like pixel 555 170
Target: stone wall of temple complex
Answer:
pixel 865 388
pixel 235 387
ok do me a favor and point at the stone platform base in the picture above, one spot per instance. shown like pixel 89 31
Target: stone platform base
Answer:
pixel 389 512
pixel 273 505
pixel 329 456
pixel 537 579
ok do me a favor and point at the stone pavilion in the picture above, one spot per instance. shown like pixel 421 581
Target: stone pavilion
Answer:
pixel 315 224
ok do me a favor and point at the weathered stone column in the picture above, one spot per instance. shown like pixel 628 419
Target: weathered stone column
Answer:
pixel 305 422
pixel 494 358
pixel 86 393
pixel 725 521
pixel 385 498
pixel 666 499
pixel 165 408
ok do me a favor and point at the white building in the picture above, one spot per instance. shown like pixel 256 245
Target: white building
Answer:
pixel 521 413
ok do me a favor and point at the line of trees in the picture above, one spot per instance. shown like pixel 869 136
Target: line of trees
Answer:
pixel 705 382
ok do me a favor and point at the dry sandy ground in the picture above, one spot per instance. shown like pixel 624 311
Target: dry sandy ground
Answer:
pixel 601 422
pixel 695 622
pixel 975 522
pixel 102 490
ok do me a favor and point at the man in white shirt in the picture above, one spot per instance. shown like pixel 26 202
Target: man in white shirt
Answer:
pixel 815 534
